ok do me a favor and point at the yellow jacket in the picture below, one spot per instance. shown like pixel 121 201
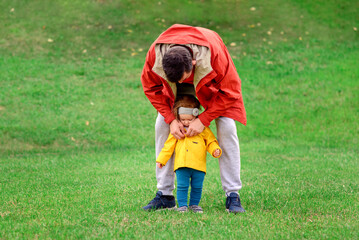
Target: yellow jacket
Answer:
pixel 190 151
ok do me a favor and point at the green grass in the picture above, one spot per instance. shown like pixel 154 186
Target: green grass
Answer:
pixel 77 132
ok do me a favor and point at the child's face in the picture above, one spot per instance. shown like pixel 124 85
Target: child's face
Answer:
pixel 186 119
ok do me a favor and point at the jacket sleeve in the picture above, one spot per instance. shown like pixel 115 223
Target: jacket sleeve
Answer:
pixel 167 150
pixel 153 88
pixel 226 84
pixel 211 142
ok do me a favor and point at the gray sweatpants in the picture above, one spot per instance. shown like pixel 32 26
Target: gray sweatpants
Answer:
pixel 229 162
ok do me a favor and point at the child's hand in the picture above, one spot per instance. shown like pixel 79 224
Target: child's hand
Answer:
pixel 216 153
pixel 159 165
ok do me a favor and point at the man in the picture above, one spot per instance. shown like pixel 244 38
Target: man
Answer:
pixel 194 60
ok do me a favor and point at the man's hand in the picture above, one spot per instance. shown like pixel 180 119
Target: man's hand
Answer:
pixel 159 165
pixel 177 129
pixel 195 128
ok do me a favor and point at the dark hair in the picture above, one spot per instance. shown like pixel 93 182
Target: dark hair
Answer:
pixel 176 61
pixel 188 101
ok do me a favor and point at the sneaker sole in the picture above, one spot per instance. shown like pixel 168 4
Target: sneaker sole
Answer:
pixel 233 212
pixel 159 209
pixel 165 209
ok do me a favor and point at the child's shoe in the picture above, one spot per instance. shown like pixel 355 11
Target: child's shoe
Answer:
pixel 182 209
pixel 196 209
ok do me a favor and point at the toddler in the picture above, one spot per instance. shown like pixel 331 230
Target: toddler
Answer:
pixel 190 158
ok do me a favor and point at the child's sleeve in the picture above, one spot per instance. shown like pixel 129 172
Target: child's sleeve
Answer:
pixel 211 142
pixel 167 150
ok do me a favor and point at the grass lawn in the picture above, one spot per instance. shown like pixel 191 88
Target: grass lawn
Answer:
pixel 77 132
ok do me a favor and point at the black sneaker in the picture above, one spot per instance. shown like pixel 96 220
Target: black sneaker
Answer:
pixel 160 202
pixel 233 204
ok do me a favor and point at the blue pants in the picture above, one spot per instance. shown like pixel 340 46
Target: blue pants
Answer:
pixel 185 176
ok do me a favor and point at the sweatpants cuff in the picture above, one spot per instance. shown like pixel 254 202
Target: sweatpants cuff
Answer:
pixel 229 193
pixel 166 192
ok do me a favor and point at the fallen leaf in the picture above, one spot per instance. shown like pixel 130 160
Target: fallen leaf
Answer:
pixel 84 51
pixel 50 40
pixel 12 10
pixel 355 29
pixel 109 27
pixel 87 123
pixel 233 44
pixel 252 9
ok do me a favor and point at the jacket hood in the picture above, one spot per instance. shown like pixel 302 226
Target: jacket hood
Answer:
pixel 183 34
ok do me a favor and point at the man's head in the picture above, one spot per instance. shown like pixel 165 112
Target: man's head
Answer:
pixel 177 63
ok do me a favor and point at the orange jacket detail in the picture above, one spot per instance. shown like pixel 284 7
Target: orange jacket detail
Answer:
pixel 219 92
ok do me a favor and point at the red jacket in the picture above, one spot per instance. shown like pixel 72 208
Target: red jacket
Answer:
pixel 219 91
